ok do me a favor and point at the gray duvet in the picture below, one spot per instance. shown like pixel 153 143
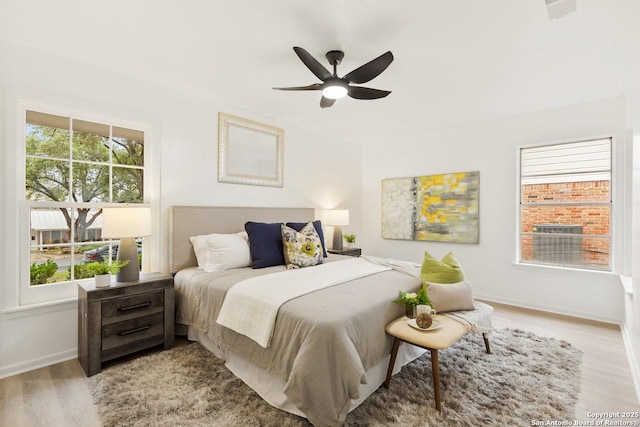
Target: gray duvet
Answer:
pixel 323 342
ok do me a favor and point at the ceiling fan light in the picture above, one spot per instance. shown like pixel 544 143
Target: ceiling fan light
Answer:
pixel 334 91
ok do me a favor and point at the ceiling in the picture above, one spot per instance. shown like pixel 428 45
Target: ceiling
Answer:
pixel 456 61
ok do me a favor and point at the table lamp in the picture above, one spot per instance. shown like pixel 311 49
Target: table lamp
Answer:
pixel 126 224
pixel 337 218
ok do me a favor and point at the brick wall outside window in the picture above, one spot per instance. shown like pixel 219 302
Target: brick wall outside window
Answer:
pixel 595 220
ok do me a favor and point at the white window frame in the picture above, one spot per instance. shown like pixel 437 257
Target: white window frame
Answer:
pixel 64 291
pixel 616 204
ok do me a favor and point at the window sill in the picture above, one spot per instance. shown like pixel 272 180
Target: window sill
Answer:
pixel 565 269
pixel 40 308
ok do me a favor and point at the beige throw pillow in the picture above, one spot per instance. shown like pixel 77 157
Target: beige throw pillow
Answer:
pixel 451 297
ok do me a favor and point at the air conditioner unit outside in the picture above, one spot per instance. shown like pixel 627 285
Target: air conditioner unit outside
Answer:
pixel 558 244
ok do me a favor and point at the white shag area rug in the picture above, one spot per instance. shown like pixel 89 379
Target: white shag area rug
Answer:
pixel 526 378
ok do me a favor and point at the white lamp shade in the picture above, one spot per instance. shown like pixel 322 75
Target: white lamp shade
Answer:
pixel 338 217
pixel 126 222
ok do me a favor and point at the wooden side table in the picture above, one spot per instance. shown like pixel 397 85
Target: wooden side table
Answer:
pixel 439 339
pixel 349 252
pixel 124 318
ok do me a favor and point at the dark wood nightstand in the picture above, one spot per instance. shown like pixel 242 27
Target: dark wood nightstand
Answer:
pixel 124 318
pixel 350 252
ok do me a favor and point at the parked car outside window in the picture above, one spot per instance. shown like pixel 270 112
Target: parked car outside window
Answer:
pixel 102 253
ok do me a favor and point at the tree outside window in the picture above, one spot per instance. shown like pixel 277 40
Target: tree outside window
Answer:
pixel 74 168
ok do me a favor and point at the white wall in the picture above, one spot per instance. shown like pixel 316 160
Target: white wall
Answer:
pixel 491 148
pixel 184 140
pixel 631 324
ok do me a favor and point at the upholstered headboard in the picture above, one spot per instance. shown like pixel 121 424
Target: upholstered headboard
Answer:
pixel 187 221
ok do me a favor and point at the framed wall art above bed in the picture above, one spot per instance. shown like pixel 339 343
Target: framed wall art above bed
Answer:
pixel 441 207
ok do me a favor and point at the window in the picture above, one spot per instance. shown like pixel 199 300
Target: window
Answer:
pixel 566 204
pixel 73 167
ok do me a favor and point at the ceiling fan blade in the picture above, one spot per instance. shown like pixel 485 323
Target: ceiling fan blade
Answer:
pixel 370 70
pixel 367 93
pixel 312 64
pixel 326 102
pixel 315 86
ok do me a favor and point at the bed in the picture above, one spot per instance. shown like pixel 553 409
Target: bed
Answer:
pixel 328 350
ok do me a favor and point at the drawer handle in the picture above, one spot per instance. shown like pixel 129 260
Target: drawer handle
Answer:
pixel 134 307
pixel 133 331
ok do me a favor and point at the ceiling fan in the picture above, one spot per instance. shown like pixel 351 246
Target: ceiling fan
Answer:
pixel 334 87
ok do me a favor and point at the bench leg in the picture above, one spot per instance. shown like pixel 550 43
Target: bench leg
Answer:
pixel 435 370
pixel 486 343
pixel 392 361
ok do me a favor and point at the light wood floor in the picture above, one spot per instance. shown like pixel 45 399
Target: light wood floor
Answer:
pixel 606 385
pixel 58 395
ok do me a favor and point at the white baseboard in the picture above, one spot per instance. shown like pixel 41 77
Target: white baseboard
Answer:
pixel 547 308
pixel 30 365
pixel 634 362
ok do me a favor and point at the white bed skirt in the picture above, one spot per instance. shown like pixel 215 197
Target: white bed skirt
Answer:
pixel 270 387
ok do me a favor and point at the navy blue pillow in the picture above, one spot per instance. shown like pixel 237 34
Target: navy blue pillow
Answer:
pixel 317 225
pixel 265 244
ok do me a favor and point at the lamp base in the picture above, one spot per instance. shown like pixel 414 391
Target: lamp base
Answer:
pixel 337 238
pixel 128 251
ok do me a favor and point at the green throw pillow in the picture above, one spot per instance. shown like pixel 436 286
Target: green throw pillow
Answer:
pixel 447 270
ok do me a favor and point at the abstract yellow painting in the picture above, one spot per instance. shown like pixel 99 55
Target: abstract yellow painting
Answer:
pixel 440 207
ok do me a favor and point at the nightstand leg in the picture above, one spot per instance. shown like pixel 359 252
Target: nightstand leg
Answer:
pixel 392 361
pixel 94 339
pixel 169 315
pixel 435 370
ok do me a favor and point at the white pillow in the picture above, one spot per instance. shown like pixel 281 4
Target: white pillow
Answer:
pixel 217 252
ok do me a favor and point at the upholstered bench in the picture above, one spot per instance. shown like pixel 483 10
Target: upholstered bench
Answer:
pixel 433 340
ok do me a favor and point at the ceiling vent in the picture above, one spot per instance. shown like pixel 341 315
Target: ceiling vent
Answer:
pixel 559 8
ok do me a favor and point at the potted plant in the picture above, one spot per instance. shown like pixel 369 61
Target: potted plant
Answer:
pixel 102 271
pixel 413 299
pixel 350 239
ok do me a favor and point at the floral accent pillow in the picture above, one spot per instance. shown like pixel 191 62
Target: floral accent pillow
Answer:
pixel 301 249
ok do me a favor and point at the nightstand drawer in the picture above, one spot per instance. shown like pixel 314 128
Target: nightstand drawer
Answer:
pixel 122 333
pixel 132 307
